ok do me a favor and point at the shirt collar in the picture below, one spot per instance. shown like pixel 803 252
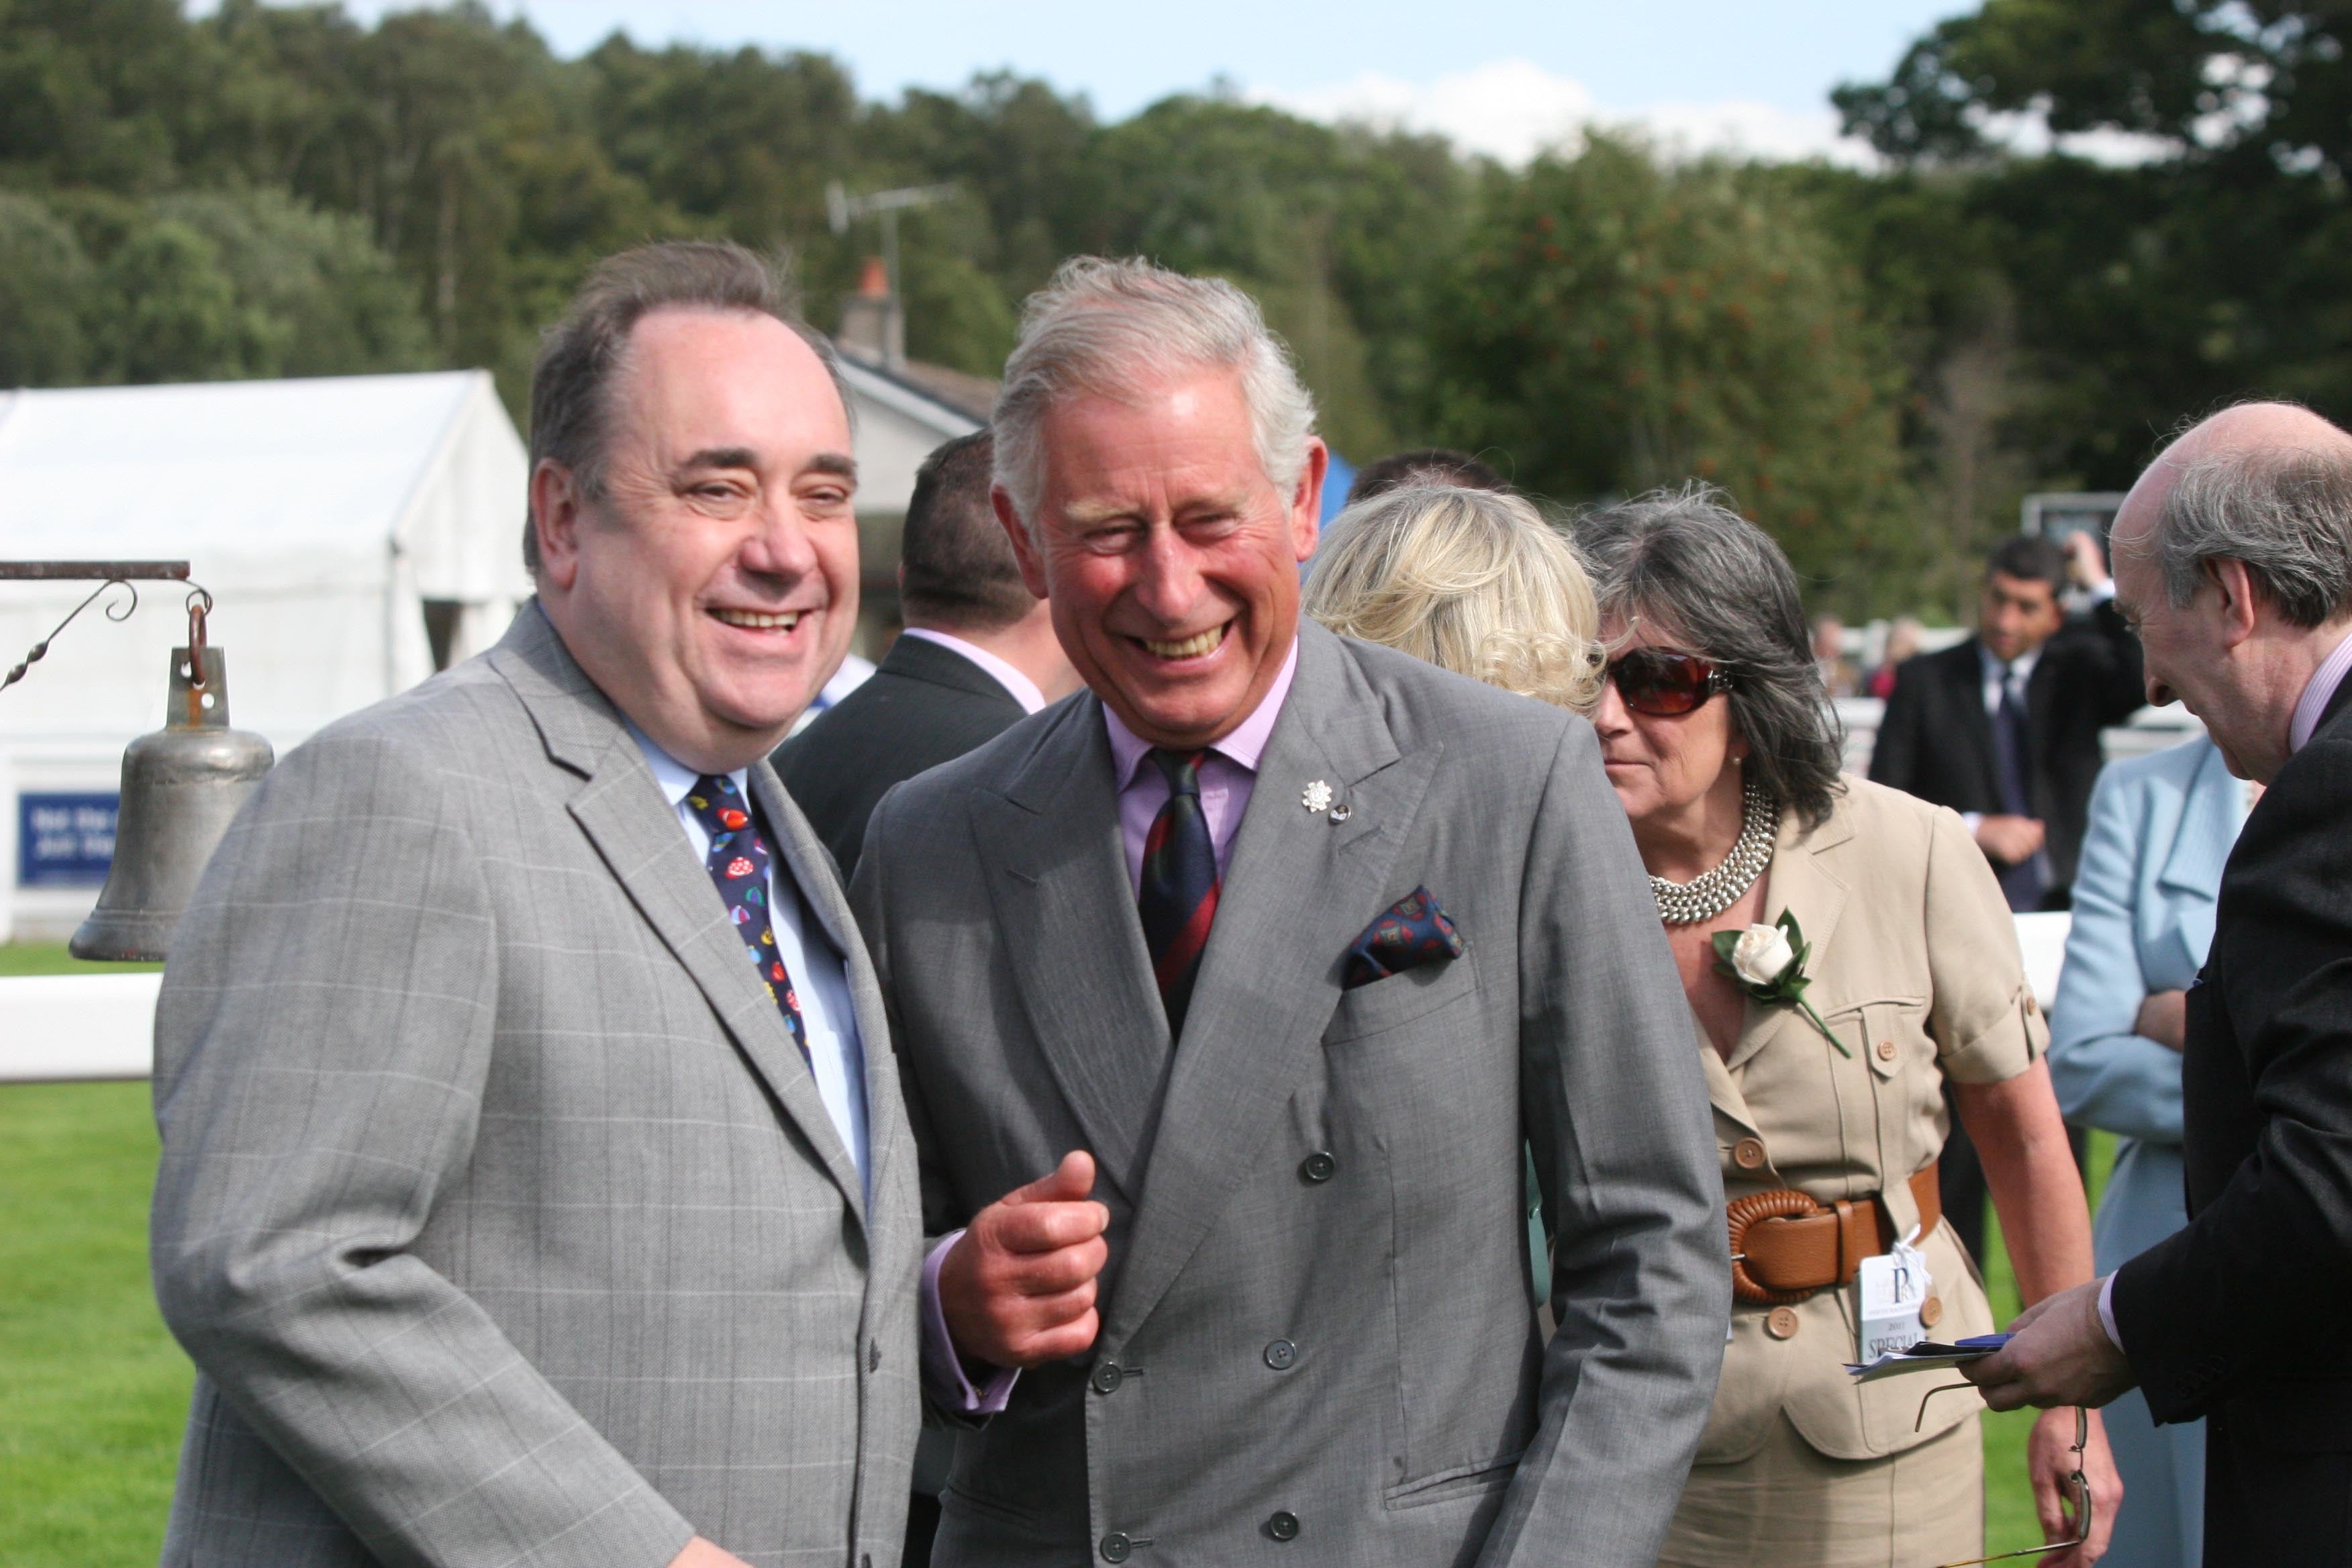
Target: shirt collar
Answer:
pixel 1022 689
pixel 674 776
pixel 2019 668
pixel 1243 746
pixel 2316 692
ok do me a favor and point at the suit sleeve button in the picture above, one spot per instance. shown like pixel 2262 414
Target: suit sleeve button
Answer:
pixel 1748 1154
pixel 1319 1166
pixel 1106 1376
pixel 1116 1547
pixel 1281 1355
pixel 1283 1526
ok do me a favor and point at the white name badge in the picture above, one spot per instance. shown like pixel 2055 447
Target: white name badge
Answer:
pixel 1895 1286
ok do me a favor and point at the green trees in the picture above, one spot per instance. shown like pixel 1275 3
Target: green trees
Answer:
pixel 43 278
pixel 1877 365
pixel 2207 269
pixel 196 286
pixel 1618 324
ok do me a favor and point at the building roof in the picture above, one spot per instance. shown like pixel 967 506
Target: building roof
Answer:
pixel 277 484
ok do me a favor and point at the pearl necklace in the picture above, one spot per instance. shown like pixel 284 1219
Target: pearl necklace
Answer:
pixel 1704 897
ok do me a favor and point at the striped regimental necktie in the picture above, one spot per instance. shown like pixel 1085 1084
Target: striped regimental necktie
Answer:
pixel 738 864
pixel 1179 897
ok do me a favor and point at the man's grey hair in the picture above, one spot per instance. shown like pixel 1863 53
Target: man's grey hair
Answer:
pixel 581 353
pixel 1102 326
pixel 1700 573
pixel 2286 511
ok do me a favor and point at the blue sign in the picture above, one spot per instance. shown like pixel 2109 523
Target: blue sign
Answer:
pixel 65 840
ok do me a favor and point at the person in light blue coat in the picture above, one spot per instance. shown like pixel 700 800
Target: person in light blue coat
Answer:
pixel 2160 828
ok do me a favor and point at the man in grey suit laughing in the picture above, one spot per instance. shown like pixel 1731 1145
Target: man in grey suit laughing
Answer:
pixel 535 1188
pixel 1227 995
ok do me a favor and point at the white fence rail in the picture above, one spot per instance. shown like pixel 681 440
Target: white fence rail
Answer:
pixel 67 1027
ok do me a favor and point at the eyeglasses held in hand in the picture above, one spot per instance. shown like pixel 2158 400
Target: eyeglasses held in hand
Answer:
pixel 1665 685
pixel 2078 1481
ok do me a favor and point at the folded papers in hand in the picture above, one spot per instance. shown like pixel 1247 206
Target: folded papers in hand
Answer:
pixel 1927 1354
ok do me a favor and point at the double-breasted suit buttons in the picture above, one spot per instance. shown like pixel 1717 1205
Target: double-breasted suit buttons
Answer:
pixel 1282 1355
pixel 1283 1525
pixel 1317 1167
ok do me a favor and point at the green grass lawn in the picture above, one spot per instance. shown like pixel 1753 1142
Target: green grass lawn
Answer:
pixel 51 958
pixel 2010 1521
pixel 92 1390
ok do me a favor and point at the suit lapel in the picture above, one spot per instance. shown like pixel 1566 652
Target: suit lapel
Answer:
pixel 1299 889
pixel 1805 884
pixel 1967 674
pixel 2210 813
pixel 626 816
pixel 622 810
pixel 1057 876
pixel 2209 817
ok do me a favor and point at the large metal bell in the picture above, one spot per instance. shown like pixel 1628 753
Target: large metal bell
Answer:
pixel 181 785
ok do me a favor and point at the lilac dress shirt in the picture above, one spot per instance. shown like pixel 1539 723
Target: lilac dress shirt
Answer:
pixel 1227 775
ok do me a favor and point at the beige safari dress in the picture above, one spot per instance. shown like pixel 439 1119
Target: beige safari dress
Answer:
pixel 1915 967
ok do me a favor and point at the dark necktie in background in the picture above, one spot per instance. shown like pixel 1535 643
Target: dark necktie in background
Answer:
pixel 2024 883
pixel 738 863
pixel 1178 899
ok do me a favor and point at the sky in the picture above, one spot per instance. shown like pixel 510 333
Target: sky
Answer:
pixel 1501 77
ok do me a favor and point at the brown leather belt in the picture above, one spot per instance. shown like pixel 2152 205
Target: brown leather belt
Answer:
pixel 1785 1246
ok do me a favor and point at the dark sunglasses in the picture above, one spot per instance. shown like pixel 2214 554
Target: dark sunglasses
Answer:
pixel 1665 685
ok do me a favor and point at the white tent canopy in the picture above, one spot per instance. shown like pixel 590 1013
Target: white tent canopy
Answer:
pixel 323 515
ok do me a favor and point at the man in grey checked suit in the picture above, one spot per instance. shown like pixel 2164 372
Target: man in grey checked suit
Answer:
pixel 1258 1291
pixel 535 1188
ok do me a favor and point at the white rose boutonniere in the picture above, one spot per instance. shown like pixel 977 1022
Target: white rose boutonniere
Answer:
pixel 1768 962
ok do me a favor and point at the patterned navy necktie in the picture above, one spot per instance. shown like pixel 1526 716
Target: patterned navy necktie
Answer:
pixel 1179 897
pixel 738 864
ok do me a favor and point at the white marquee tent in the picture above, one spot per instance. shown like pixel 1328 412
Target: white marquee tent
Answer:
pixel 350 530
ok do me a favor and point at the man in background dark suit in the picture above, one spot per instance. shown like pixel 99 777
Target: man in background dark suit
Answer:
pixel 2234 559
pixel 2004 729
pixel 978 654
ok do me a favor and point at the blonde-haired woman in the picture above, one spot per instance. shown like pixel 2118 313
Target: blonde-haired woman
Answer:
pixel 1468 579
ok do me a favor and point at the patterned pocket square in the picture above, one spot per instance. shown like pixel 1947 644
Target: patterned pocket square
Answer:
pixel 1410 932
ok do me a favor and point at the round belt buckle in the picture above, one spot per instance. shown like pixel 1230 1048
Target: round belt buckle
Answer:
pixel 1756 1208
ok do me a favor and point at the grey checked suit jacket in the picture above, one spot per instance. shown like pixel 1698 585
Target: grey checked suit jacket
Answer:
pixel 1347 1345
pixel 501 1218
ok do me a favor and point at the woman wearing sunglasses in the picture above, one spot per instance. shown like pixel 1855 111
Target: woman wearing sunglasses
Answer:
pixel 1826 1045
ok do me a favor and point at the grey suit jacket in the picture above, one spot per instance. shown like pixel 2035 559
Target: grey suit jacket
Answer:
pixel 502 1220
pixel 1316 1345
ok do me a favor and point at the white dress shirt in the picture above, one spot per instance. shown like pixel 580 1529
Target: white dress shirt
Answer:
pixel 1019 687
pixel 818 976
